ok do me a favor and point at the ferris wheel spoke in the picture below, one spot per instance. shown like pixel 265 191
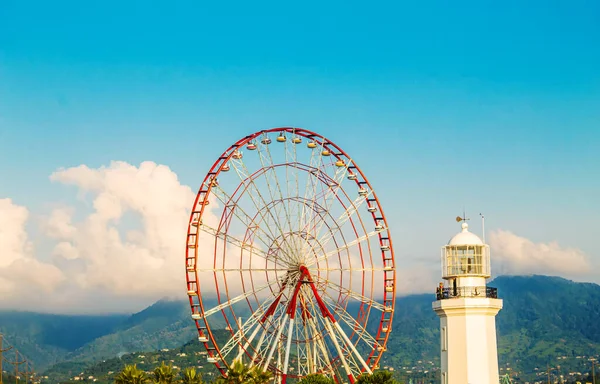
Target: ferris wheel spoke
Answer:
pixel 350 320
pixel 345 216
pixel 313 176
pixel 261 348
pixel 317 212
pixel 346 246
pixel 333 186
pixel 232 240
pixel 242 216
pixel 332 192
pixel 291 159
pixel 309 180
pixel 350 269
pixel 252 322
pixel 237 299
pixel 242 245
pixel 241 269
pixel 350 293
pixel 275 341
pixel 272 193
pixel 247 344
pixel 246 180
pixel 296 174
pixel 312 219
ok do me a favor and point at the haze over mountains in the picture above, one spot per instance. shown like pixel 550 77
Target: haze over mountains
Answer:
pixel 543 318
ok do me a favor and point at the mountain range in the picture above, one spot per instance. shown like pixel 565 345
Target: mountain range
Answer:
pixel 545 321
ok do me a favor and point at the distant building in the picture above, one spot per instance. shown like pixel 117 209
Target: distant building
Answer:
pixel 467 308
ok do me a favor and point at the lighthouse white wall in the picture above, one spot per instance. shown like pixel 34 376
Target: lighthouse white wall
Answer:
pixel 468 340
pixel 471 281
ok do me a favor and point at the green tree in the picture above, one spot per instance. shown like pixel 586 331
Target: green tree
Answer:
pixel 316 378
pixel 240 373
pixel 377 377
pixel 190 376
pixel 164 374
pixel 258 376
pixel 131 374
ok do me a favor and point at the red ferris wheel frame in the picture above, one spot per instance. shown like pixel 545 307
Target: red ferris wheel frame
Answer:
pixel 199 312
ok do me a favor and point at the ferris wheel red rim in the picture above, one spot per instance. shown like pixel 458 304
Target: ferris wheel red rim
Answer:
pixel 198 210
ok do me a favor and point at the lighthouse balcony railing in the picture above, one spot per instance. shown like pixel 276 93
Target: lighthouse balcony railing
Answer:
pixel 458 292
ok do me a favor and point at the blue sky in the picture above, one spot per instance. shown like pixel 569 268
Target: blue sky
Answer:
pixel 490 106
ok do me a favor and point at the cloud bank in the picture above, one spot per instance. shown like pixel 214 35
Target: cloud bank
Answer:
pixel 141 262
pixel 516 255
pixel 20 271
pixel 125 238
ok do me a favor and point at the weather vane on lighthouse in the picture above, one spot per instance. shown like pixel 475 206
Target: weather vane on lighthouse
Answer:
pixel 463 218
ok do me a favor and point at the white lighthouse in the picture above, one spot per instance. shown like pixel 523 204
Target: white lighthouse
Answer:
pixel 467 308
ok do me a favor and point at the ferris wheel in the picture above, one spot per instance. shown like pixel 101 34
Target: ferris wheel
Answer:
pixel 289 252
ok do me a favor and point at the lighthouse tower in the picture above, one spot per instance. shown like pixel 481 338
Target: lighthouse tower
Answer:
pixel 467 309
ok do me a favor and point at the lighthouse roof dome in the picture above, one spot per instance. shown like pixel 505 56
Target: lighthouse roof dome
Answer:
pixel 465 237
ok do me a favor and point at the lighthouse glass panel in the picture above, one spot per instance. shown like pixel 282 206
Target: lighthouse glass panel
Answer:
pixel 461 260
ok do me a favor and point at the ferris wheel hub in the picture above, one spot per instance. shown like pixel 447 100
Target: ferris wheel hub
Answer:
pixel 294 248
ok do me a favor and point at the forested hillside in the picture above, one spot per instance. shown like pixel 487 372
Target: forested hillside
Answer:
pixel 545 320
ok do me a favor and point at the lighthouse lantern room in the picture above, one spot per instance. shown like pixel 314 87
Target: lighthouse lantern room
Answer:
pixel 465 261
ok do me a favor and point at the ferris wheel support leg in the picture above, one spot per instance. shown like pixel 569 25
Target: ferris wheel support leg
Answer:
pixel 274 346
pixel 328 359
pixel 352 347
pixel 321 344
pixel 328 319
pixel 247 344
pixel 339 350
pixel 279 377
pixel 314 359
pixel 269 313
pixel 309 353
pixel 258 346
pixel 287 351
pixel 316 347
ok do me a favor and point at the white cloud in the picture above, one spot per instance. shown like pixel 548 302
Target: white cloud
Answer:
pixel 66 250
pixel 513 254
pixel 417 278
pixel 19 270
pixel 128 244
pixel 14 243
pixel 117 255
pixel 58 225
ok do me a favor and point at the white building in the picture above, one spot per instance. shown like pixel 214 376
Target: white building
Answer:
pixel 467 309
